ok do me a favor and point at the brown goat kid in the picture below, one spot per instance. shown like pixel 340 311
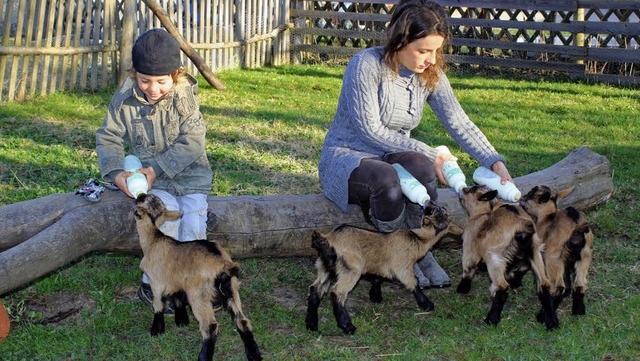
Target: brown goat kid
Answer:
pixel 348 252
pixel 197 272
pixel 504 237
pixel 568 242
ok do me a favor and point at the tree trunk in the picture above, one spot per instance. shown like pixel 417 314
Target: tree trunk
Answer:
pixel 41 235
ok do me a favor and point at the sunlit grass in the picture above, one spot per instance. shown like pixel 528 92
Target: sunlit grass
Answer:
pixel 264 137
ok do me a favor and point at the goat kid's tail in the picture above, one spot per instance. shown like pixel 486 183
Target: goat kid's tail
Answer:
pixel 325 251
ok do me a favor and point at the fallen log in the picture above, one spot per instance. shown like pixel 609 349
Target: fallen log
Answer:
pixel 40 235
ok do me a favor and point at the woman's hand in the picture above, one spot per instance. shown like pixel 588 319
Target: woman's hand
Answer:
pixel 440 159
pixel 121 179
pixel 500 169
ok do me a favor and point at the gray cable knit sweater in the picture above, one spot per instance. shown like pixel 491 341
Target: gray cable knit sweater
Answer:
pixel 377 111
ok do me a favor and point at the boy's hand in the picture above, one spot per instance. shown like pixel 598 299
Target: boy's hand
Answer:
pixel 121 179
pixel 121 182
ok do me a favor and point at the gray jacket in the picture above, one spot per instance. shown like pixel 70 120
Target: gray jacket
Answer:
pixel 377 111
pixel 168 136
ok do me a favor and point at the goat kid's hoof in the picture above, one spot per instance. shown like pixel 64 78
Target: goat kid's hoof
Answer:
pixel 464 286
pixel 427 306
pixel 492 320
pixel 552 323
pixel 578 309
pixel 349 329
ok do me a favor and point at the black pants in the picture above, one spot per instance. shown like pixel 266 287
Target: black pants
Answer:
pixel 375 185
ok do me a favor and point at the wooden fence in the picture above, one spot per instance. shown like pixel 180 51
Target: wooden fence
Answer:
pixel 596 39
pixel 51 45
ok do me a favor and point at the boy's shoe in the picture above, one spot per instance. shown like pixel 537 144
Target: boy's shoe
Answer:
pixel 146 295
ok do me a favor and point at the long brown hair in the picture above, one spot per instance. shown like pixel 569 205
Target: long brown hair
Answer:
pixel 413 20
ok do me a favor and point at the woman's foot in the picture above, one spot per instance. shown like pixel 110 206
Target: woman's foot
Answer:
pixel 438 278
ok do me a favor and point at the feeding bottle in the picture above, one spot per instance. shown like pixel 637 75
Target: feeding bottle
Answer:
pixel 507 191
pixel 137 182
pixel 452 172
pixel 411 187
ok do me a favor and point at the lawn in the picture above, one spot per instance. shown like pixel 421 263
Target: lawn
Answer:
pixel 264 137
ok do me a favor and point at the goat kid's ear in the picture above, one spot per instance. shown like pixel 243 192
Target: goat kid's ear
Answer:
pixel 563 193
pixel 489 195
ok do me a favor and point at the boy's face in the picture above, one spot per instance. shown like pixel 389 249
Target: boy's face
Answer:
pixel 154 87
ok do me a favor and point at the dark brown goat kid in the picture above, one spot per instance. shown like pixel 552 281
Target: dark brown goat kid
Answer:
pixel 348 253
pixel 504 238
pixel 195 273
pixel 568 242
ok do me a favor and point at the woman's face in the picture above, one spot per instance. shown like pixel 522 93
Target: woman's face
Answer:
pixel 420 54
pixel 154 86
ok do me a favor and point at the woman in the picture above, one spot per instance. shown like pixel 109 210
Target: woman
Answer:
pixel 383 95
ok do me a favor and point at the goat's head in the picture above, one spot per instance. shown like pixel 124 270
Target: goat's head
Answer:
pixel 543 200
pixel 436 217
pixel 150 206
pixel 478 198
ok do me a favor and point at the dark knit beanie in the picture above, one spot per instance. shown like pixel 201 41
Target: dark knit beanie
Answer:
pixel 156 52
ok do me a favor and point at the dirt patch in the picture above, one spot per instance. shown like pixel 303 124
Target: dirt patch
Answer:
pixel 57 308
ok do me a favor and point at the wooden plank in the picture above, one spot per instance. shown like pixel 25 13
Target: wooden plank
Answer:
pixel 615 55
pixel 613 79
pixel 609 4
pixel 96 35
pixel 37 42
pixel 27 60
pixel 533 47
pixel 320 49
pixel 16 61
pixel 129 25
pixel 6 31
pixel 373 2
pixel 339 15
pixel 48 41
pixel 76 42
pixel 552 5
pixel 610 27
pixel 84 58
pixel 67 42
pixel 57 41
pixel 341 33
pixel 516 63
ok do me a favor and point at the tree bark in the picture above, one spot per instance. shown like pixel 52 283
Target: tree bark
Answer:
pixel 40 235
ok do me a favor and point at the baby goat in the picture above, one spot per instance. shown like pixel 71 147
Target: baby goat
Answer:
pixel 568 242
pixel 504 237
pixel 198 272
pixel 348 252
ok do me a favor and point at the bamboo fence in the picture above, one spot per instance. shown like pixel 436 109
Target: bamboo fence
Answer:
pixel 65 45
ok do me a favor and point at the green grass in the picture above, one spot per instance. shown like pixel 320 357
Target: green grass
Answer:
pixel 264 137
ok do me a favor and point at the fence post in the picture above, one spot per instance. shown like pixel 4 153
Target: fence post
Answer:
pixel 129 26
pixel 578 39
pixel 298 23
